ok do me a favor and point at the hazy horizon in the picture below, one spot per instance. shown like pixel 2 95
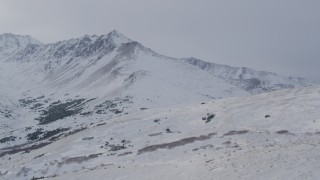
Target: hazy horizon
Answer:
pixel 278 36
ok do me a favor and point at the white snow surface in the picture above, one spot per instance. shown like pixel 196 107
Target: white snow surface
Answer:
pixel 106 106
pixel 10 43
pixel 246 144
pixel 249 79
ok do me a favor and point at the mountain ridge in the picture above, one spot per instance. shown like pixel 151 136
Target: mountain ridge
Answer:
pixel 90 70
pixel 88 46
pixel 250 79
pixel 107 106
pixel 11 43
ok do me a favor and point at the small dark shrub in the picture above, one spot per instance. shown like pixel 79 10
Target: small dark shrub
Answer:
pixel 7 139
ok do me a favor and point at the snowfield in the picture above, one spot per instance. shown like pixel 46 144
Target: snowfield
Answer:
pixel 239 142
pixel 106 107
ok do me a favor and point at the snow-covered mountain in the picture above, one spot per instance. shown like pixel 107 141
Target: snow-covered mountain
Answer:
pixel 81 81
pixel 57 93
pixel 249 79
pixel 113 63
pixel 10 43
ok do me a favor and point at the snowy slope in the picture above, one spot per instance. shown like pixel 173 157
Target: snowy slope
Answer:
pixel 249 79
pixel 111 64
pixel 82 81
pixel 239 142
pixel 10 43
pixel 80 92
pixel 108 62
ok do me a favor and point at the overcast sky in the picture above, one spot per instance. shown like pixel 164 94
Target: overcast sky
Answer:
pixel 281 36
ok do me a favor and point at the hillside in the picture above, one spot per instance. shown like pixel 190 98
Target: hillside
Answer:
pixel 107 104
pixel 273 135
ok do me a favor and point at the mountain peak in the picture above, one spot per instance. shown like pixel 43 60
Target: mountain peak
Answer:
pixel 84 46
pixel 118 38
pixel 115 33
pixel 11 43
pixel 27 38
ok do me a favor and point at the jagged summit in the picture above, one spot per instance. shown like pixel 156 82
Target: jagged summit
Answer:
pixel 98 60
pixel 115 32
pixel 118 37
pixel 84 47
pixel 114 37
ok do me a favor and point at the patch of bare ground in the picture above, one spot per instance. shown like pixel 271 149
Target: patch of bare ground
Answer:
pixel 231 133
pixel 283 132
pixel 25 149
pixel 125 153
pixel 155 134
pixel 78 159
pixel 175 144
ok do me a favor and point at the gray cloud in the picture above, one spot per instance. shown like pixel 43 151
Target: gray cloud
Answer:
pixel 282 36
